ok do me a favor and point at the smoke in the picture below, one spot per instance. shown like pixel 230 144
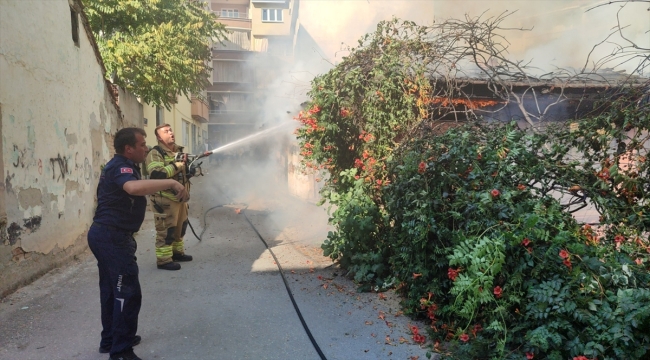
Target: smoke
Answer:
pixel 562 33
pixel 338 24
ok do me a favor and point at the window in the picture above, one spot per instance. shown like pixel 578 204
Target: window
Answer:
pixel 229 13
pixel 272 15
pixel 74 18
pixel 230 71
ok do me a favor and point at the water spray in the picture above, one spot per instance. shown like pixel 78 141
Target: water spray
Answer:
pixel 249 138
pixel 191 159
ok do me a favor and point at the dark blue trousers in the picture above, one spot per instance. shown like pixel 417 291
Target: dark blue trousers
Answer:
pixel 119 288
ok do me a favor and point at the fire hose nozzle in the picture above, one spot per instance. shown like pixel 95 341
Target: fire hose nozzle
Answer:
pixel 183 157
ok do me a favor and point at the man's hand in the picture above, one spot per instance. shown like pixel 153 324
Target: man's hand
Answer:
pixel 181 193
pixel 181 157
pixel 180 166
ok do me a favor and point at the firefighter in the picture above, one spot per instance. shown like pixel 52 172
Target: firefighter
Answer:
pixel 170 215
pixel 121 206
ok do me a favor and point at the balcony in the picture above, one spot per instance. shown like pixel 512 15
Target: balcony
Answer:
pixel 200 110
pixel 231 112
pixel 234 20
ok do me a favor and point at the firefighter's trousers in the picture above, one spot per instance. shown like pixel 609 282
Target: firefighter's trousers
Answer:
pixel 170 218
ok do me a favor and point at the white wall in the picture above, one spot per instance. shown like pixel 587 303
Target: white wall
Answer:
pixel 58 119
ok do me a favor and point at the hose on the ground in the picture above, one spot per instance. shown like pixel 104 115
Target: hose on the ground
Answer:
pixel 277 262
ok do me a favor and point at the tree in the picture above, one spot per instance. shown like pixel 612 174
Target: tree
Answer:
pixel 156 49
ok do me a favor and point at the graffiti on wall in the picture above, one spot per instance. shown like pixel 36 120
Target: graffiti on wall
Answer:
pixel 84 168
pixel 18 157
pixel 61 164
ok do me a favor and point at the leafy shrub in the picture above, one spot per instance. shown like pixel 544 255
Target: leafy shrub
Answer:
pixel 487 253
pixel 474 225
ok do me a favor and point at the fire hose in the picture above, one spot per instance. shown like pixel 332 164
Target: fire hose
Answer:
pixel 184 157
pixel 277 262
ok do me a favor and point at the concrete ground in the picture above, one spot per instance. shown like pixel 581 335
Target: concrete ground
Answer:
pixel 231 301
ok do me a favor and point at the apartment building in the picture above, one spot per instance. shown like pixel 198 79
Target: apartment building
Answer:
pixel 260 43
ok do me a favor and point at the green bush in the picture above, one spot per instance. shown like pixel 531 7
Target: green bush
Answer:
pixel 485 251
pixel 474 225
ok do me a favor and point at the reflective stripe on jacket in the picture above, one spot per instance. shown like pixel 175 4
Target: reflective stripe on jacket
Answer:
pixel 162 167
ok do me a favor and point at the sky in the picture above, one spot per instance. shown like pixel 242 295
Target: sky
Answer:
pixel 561 32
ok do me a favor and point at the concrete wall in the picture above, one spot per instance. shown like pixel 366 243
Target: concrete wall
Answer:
pixel 132 109
pixel 301 183
pixel 58 120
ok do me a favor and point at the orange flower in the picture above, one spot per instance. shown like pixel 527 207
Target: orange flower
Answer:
pixel 521 187
pixel 315 109
pixel 619 238
pixel 525 242
pixel 638 261
pixel 476 329
pixel 420 339
pixel 530 356
pixel 497 291
pixel 495 193
pixel 452 274
pixel 422 167
pixel 464 338
pixel 564 254
pixel 415 276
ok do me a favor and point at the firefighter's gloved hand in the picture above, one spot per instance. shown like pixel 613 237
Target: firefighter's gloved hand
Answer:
pixel 180 165
pixel 181 157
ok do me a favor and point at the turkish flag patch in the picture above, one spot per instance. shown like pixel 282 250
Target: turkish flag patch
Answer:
pixel 126 171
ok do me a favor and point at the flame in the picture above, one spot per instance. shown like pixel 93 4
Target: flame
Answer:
pixel 470 104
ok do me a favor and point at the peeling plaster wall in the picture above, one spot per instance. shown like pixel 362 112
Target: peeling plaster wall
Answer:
pixel 58 120
pixel 132 109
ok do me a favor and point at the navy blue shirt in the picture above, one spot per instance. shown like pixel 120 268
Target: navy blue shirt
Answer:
pixel 115 207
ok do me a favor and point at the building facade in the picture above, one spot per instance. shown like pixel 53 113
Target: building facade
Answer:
pixel 259 46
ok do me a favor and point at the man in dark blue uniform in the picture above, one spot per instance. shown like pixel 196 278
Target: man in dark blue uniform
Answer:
pixel 121 206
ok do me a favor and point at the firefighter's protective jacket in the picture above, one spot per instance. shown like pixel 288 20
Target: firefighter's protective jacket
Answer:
pixel 161 166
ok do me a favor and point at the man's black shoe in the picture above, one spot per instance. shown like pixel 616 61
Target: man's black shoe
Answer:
pixel 125 355
pixel 170 266
pixel 181 257
pixel 107 349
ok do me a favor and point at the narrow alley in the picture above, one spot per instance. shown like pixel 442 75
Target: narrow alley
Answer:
pixel 230 302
